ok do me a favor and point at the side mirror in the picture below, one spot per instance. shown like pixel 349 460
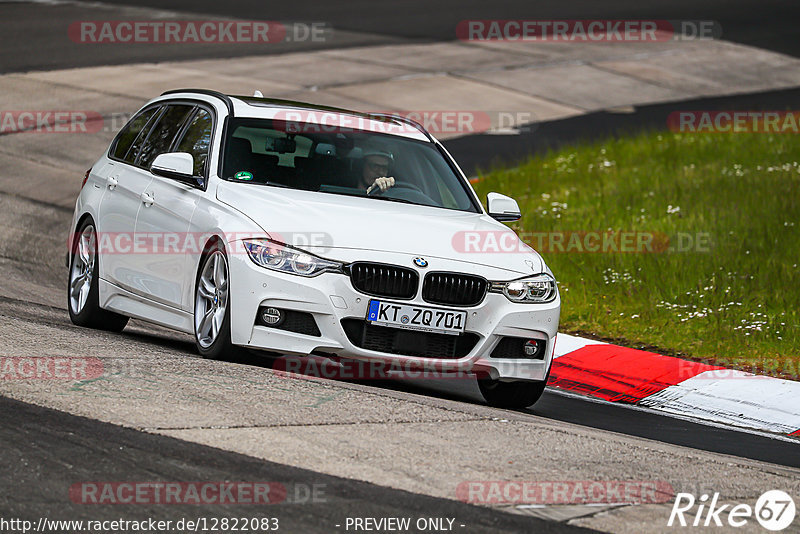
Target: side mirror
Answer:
pixel 502 208
pixel 175 165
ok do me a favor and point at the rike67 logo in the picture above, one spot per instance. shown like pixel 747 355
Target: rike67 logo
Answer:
pixel 774 510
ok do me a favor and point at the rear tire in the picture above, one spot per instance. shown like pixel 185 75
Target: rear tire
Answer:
pixel 212 310
pixel 514 395
pixel 82 284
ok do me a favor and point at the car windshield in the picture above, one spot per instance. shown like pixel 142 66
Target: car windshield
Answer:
pixel 342 161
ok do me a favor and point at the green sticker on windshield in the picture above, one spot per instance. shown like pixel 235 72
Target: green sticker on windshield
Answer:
pixel 243 175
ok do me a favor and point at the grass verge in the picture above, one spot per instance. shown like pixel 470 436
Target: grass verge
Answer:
pixel 719 281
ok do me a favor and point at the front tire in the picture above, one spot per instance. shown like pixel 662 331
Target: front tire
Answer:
pixel 514 395
pixel 212 314
pixel 82 287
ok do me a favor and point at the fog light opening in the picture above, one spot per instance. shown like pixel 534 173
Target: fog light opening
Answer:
pixel 272 316
pixel 530 347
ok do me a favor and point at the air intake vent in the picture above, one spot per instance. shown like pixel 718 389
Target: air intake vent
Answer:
pixel 381 280
pixel 454 289
pixel 407 342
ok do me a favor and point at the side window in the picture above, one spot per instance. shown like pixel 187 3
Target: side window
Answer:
pixel 163 133
pixel 122 147
pixel 133 153
pixel 197 140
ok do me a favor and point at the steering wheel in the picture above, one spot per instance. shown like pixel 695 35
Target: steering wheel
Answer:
pixel 397 185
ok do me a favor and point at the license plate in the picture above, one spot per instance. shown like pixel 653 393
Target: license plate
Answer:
pixel 419 318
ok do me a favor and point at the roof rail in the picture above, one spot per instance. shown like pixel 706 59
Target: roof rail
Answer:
pixel 306 105
pixel 208 92
pixel 406 120
pixel 253 100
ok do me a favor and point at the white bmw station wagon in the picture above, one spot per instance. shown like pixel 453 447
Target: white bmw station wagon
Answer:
pixel 303 230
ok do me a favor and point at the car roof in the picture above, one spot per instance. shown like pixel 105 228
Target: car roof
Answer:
pixel 303 112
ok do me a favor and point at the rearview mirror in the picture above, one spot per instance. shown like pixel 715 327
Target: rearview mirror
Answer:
pixel 281 145
pixel 176 165
pixel 502 208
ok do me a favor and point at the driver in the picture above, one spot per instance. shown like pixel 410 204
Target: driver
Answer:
pixel 376 167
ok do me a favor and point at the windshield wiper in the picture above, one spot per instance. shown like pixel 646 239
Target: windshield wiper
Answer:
pixel 362 195
pixel 392 199
pixel 274 184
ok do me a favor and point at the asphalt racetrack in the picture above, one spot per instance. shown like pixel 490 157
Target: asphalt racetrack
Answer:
pixel 379 449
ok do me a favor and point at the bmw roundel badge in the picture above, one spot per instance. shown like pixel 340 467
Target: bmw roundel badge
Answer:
pixel 420 262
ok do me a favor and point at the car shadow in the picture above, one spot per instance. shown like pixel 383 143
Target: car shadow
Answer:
pixel 463 388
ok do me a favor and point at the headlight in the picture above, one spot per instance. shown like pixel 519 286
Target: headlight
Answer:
pixel 278 257
pixel 536 289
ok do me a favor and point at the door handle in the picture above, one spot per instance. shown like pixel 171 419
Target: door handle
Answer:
pixel 148 199
pixel 113 181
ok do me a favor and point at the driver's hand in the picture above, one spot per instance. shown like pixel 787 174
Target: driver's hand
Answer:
pixel 383 183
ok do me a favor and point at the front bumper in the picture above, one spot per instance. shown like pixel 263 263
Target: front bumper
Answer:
pixel 330 298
